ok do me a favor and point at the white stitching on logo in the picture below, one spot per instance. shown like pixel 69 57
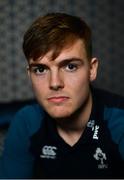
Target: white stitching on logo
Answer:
pixel 48 152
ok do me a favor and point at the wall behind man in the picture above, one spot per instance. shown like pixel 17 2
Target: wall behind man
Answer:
pixel 105 18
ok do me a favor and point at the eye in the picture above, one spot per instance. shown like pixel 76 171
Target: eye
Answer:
pixel 71 67
pixel 39 70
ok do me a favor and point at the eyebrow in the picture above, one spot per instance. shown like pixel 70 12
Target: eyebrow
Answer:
pixel 38 65
pixel 66 61
pixel 61 63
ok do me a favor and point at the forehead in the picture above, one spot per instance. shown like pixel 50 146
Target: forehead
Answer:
pixel 75 50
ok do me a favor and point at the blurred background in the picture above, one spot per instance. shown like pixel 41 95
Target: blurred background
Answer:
pixel 105 17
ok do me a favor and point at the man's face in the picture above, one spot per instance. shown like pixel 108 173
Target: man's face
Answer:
pixel 62 85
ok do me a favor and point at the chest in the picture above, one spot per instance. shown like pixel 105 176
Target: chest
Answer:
pixel 93 156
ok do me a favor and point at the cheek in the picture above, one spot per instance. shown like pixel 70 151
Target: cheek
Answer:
pixel 38 87
pixel 78 81
pixel 79 87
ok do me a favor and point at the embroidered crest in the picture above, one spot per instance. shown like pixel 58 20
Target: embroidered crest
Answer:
pixel 101 157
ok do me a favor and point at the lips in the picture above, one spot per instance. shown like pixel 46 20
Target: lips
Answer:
pixel 59 99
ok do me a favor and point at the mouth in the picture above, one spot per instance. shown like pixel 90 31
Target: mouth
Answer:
pixel 59 99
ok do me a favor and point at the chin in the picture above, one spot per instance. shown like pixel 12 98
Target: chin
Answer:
pixel 59 115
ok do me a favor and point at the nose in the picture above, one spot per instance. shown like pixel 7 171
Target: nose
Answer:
pixel 56 80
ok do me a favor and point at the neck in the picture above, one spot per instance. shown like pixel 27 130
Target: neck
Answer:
pixel 71 129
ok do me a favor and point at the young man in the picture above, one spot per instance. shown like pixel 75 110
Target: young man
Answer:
pixel 75 130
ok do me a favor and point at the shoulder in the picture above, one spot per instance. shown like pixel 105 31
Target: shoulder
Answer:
pixel 26 122
pixel 113 106
pixel 28 118
pixel 16 158
pixel 109 99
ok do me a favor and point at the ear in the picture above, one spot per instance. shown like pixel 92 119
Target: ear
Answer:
pixel 93 68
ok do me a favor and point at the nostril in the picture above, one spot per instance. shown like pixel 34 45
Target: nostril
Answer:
pixel 55 87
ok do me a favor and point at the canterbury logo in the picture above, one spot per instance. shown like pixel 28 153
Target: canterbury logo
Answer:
pixel 48 152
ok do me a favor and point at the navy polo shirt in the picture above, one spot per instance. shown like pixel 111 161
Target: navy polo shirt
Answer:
pixel 33 147
pixel 94 155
